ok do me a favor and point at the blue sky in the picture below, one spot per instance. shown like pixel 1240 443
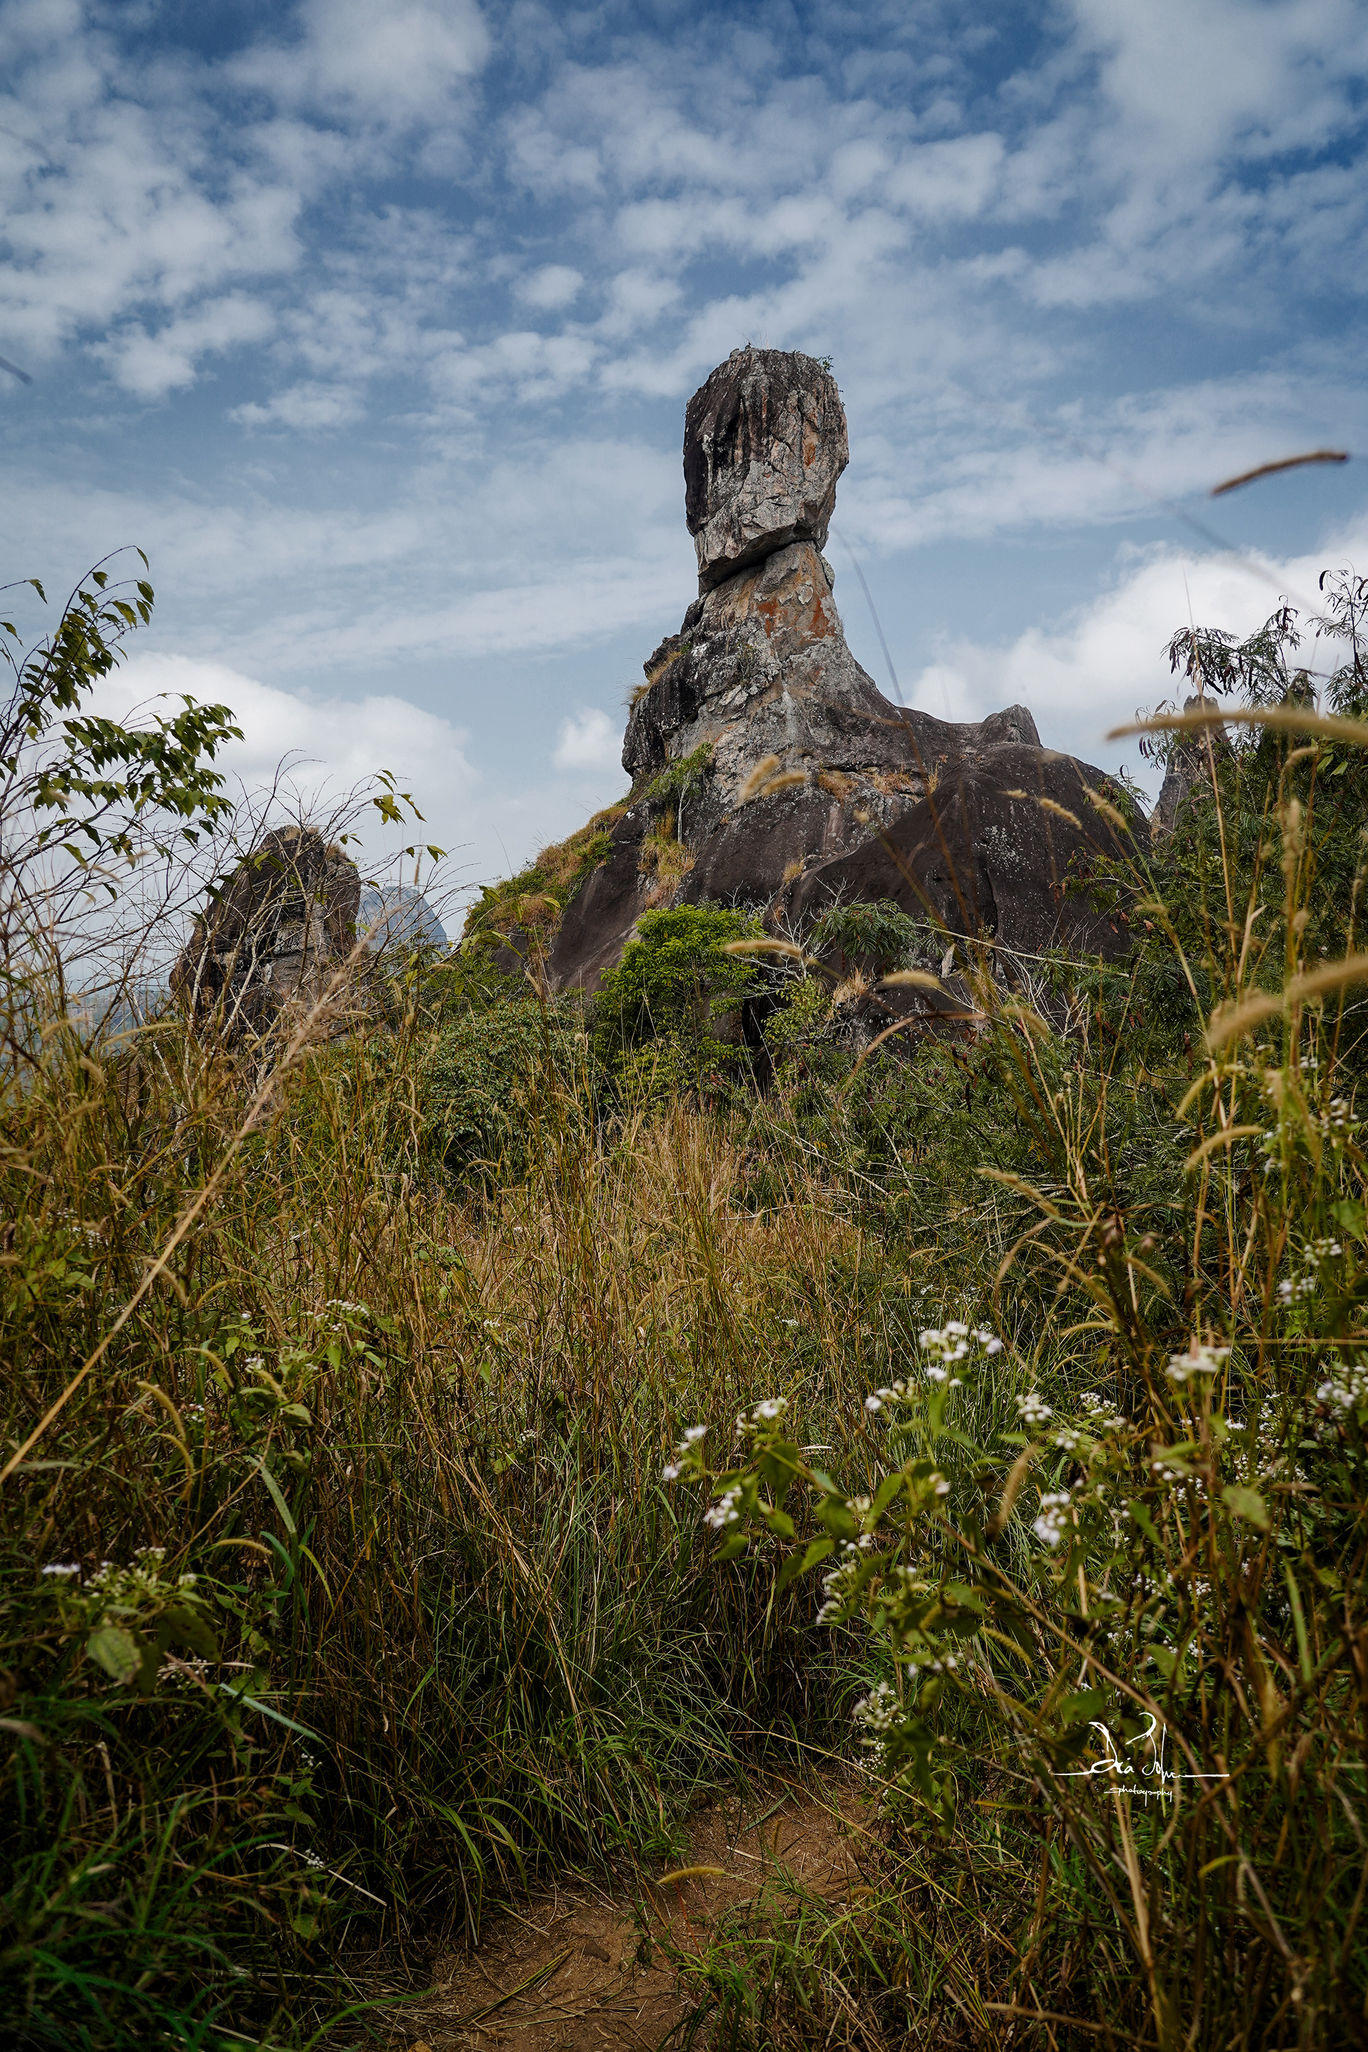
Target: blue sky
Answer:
pixel 374 323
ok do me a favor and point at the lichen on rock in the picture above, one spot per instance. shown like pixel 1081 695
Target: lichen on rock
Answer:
pixel 972 823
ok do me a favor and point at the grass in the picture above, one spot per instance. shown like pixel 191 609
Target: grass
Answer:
pixel 343 1598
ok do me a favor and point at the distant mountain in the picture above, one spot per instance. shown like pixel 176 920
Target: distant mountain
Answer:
pixel 398 915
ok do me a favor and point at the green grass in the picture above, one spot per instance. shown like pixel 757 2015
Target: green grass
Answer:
pixel 400 1407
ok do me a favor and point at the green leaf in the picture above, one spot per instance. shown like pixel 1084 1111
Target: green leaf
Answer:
pixel 1141 1517
pixel 278 1499
pixel 1083 1704
pixel 1245 1503
pixel 837 1519
pixel 799 1563
pixel 885 1494
pixel 116 1651
pixel 192 1628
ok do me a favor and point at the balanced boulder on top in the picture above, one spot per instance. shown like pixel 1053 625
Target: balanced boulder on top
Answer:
pixel 767 767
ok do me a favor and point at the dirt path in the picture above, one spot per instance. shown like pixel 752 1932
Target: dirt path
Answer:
pixel 582 1970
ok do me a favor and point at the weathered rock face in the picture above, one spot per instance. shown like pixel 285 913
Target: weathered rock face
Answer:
pixel 1189 768
pixel 764 444
pixel 275 935
pixel 972 824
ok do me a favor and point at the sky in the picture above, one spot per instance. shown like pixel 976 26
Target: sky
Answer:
pixel 373 325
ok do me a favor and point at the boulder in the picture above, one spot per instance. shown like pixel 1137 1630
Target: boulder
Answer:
pixel 1002 849
pixel 764 444
pixel 272 936
pixel 768 769
pixel 1189 768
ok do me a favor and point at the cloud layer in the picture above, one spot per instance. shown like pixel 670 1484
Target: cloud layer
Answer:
pixel 375 326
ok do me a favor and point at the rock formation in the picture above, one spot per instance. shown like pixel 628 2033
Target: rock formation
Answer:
pixel 398 917
pixel 1190 768
pixel 272 937
pixel 974 824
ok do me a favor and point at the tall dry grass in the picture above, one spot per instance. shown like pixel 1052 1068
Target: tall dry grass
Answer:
pixel 343 1596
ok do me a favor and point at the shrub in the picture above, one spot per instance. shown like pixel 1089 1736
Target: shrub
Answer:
pixel 675 983
pixel 487 1078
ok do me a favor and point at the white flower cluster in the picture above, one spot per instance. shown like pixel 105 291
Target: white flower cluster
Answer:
pixel 1346 1389
pixel 878 1712
pixel 124 1585
pixel 949 1344
pixel 63 1568
pixel 762 1414
pixel 683 1453
pixel 1101 1417
pixel 896 1393
pixel 1198 1360
pixel 726 1511
pixel 837 1583
pixel 1054 1520
pixel 1339 1117
pixel 1033 1408
pixel 1314 1254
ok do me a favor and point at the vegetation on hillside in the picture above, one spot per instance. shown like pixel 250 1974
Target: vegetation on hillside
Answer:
pixel 364 1564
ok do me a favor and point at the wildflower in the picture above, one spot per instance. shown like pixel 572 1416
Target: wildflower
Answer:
pixel 939 1485
pixel 1068 1439
pixel 62 1568
pixel 874 1403
pixel 837 1585
pixel 1033 1408
pixel 1053 1520
pixel 694 1433
pixel 1346 1390
pixel 878 1712
pixel 726 1511
pixel 763 1413
pixel 1198 1360
pixel 672 1471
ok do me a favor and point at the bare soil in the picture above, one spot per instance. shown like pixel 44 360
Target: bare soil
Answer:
pixel 583 1969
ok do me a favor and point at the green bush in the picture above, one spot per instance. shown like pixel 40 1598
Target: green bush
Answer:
pixel 677 984
pixel 486 1080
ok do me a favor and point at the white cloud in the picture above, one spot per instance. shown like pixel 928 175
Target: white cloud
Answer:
pixel 399 62
pixel 588 740
pixel 1097 667
pixel 551 287
pixel 306 406
pixel 946 181
pixel 151 365
pixel 328 745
